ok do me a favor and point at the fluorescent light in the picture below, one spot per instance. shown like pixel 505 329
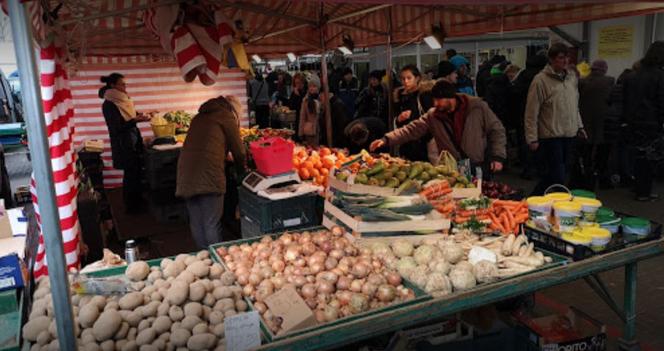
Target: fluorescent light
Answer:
pixel 432 42
pixel 291 56
pixel 344 50
pixel 256 58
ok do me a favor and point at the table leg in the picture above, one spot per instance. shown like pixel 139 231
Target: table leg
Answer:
pixel 628 341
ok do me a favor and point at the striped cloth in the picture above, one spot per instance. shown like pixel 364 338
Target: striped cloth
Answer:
pixel 35 12
pixel 59 118
pixel 153 86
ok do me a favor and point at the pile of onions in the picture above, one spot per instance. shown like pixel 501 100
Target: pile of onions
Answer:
pixel 335 278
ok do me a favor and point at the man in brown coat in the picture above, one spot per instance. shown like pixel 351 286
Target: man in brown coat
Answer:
pixel 201 179
pixel 461 124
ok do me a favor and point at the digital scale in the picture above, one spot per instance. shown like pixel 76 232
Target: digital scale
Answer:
pixel 257 182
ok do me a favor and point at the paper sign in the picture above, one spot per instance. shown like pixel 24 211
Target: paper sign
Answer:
pixel 291 308
pixel 615 42
pixel 242 331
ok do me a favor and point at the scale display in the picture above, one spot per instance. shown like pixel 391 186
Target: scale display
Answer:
pixel 257 182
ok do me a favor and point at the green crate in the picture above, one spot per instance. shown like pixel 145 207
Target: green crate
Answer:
pixel 11 307
pixel 420 295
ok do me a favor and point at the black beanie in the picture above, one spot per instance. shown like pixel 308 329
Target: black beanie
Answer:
pixel 445 68
pixel 443 90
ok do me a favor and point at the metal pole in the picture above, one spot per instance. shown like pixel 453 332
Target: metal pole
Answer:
pixel 628 341
pixel 390 102
pixel 43 173
pixel 324 81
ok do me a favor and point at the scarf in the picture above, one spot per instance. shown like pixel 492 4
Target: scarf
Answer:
pixel 457 119
pixel 311 102
pixel 123 103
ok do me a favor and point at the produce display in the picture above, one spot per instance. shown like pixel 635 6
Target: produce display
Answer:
pixel 181 119
pixel 497 190
pixel 458 262
pixel 180 304
pixel 315 164
pixel 254 133
pixel 375 208
pixel 392 172
pixel 335 278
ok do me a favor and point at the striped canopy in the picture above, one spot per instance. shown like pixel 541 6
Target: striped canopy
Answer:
pixel 274 27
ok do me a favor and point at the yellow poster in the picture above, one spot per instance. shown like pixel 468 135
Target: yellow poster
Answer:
pixel 615 42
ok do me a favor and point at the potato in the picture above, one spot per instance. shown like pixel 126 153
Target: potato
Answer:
pixel 200 342
pixel 227 278
pixel 165 336
pixel 198 269
pixel 122 332
pixel 35 326
pixel 175 326
pixel 179 337
pixel 193 309
pixel 144 324
pixel 222 292
pixel 36 347
pixel 162 324
pixel 41 292
pixel 53 346
pixel 197 291
pixel 38 309
pixel 156 296
pixel 146 336
pixel 209 300
pixel 187 277
pixel 220 347
pixel 219 330
pixel 176 313
pixel 206 312
pixel 200 328
pixel 162 310
pixel 151 309
pixel 178 293
pixel 240 305
pixel 137 271
pixel 107 325
pixel 44 337
pixel 110 305
pixel 88 315
pixel 216 270
pixel 148 290
pixel 216 317
pixel 154 275
pixel 165 263
pixel 138 285
pixel 108 345
pixel 148 348
pixel 99 300
pixel 189 322
pixel 130 346
pixel 91 346
pixel 159 344
pixel 230 313
pixel 120 344
pixel 172 270
pixel 131 301
pixel 224 305
pixel 207 261
pixel 134 317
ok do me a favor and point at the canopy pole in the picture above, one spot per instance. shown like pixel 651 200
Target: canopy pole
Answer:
pixel 324 81
pixel 390 106
pixel 43 173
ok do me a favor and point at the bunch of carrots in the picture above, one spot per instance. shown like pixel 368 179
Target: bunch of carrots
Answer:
pixel 506 215
pixel 438 195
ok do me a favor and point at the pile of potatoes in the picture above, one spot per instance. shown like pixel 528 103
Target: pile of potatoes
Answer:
pixel 180 305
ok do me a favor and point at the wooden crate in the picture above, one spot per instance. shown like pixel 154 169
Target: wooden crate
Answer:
pixel 434 221
pixel 457 193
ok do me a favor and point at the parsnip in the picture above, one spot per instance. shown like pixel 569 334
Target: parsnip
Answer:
pixel 507 245
pixel 520 240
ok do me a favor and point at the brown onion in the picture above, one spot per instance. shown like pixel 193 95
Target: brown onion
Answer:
pixel 344 297
pixel 320 316
pixel 222 251
pixel 248 290
pixel 308 249
pixel 343 283
pixel 311 279
pixel 330 313
pixel 242 279
pixel 266 239
pixel 360 270
pixel 369 289
pixel 326 246
pixel 292 253
pixel 325 287
pixel 386 293
pixel 376 279
pixel 305 238
pixel 337 254
pixel 278 282
pixel 300 262
pixel 286 238
pixel 312 303
pixel 334 303
pixel 337 231
pixel 254 279
pixel 308 291
pixel 278 266
pixel 356 285
pixel 376 264
pixel 327 276
pixel 316 267
pixel 337 271
pixel 393 278
pixel 289 270
pixel 266 272
pixel 299 281
pixel 260 307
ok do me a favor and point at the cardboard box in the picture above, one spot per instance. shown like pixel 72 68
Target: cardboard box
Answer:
pixel 291 308
pixel 12 272
pixel 574 330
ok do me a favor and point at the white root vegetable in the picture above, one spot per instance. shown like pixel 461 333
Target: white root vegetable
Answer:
pixel 107 325
pixel 462 279
pixel 137 271
pixel 533 261
pixel 507 245
pixel 479 253
pixel 485 271
pixel 522 251
pixel 520 240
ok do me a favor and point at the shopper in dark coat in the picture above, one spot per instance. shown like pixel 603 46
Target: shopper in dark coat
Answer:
pixel 484 74
pixel 644 114
pixel 349 90
pixel 299 90
pixel 623 165
pixel 496 94
pixel 372 101
pixel 594 94
pixel 362 131
pixel 412 100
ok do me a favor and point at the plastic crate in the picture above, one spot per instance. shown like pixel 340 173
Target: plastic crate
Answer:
pixel 272 155
pixel 161 168
pixel 174 213
pixel 272 216
pixel 11 309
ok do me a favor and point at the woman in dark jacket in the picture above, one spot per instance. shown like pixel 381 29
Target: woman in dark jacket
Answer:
pixel 644 115
pixel 412 100
pixel 299 90
pixel 126 141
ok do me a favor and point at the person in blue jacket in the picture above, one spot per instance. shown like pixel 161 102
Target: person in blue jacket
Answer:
pixel 464 83
pixel 349 90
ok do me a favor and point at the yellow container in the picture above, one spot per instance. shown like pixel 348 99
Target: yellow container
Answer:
pixel 557 197
pixel 539 207
pixel 589 208
pixel 566 215
pixel 600 237
pixel 163 130
pixel 577 239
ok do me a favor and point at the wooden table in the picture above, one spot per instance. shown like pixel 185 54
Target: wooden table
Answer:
pixel 396 319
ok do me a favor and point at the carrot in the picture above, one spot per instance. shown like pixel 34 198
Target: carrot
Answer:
pixel 440 192
pixel 520 218
pixel 459 219
pixel 467 213
pixel 506 203
pixel 510 219
pixel 493 217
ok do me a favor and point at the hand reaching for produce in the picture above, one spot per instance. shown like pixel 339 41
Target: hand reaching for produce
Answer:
pixel 533 146
pixel 496 166
pixel 376 144
pixel 582 134
pixel 403 116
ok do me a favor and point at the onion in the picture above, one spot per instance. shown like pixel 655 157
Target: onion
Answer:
pixel 222 251
pixel 230 263
pixel 350 250
pixel 260 307
pixel 343 267
pixel 326 246
pixel 334 303
pixel 300 262
pixel 320 316
pixel 316 267
pixel 337 231
pixel 327 276
pixel 330 313
pixel 356 285
pixel 266 239
pixel 360 270
pixel 337 271
pixel 242 279
pixel 265 289
pixel 376 264
pixel 299 281
pixel 311 279
pixel 286 238
pixel 343 283
pixel 358 303
pixel 337 254
pixel 331 263
pixel 266 272
pixel 344 297
pixel 376 279
pixel 292 253
pixel 369 289
pixel 386 293
pixel 365 251
pixel 278 282
pixel 325 287
pixel 393 278
pixel 312 303
pixel 254 279
pixel 278 266
pixel 308 291
pixel 289 270
pixel 308 248
pixel 248 290
pixel 319 237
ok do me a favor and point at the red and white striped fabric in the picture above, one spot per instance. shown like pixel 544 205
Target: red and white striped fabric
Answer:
pixel 59 118
pixel 153 86
pixel 35 14
pixel 197 53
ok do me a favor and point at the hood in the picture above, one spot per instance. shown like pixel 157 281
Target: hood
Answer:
pixel 424 87
pixel 215 105
pixel 536 62
pixel 548 70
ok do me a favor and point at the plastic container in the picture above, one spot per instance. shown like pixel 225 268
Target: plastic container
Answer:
pixel 539 207
pixel 164 130
pixel 585 224
pixel 600 237
pixel 558 197
pixel 577 239
pixel 636 226
pixel 567 215
pixel 583 193
pixel 605 212
pixel 272 155
pixel 589 208
pixel 610 224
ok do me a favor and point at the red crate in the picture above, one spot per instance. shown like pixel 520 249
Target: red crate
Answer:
pixel 272 155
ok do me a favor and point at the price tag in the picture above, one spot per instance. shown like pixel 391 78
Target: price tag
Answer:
pixel 242 331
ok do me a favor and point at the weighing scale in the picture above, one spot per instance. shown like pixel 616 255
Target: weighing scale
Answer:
pixel 257 182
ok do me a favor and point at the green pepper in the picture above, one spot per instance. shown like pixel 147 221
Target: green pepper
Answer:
pixel 415 171
pixel 392 183
pixel 377 168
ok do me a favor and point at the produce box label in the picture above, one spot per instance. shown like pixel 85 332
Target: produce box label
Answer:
pixel 291 308
pixel 242 331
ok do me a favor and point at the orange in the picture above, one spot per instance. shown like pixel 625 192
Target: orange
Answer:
pixel 315 173
pixel 318 164
pixel 304 173
pixel 320 180
pixel 324 172
pixel 308 164
pixel 328 162
pixel 324 151
pixel 296 162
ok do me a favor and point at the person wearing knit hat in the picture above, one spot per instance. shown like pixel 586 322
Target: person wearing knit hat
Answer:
pixel 461 124
pixel 447 72
pixel 464 84
pixel 310 113
pixel 372 101
pixel 600 66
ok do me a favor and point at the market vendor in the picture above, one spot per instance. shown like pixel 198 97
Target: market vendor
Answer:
pixel 461 124
pixel 126 141
pixel 201 178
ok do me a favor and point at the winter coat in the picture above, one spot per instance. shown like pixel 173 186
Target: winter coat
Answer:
pixel 496 97
pixel 594 94
pixel 482 78
pixel 372 102
pixel 340 120
pixel 348 93
pixel 465 85
pixel 552 109
pixel 614 113
pixel 483 134
pixel 418 102
pixel 126 139
pixel 201 166
pixel 518 90
pixel 309 126
pixel 377 129
pixel 644 101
